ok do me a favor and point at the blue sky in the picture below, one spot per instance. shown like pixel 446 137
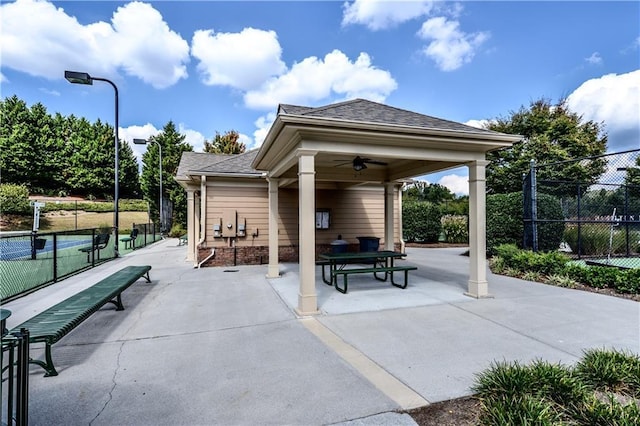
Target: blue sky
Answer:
pixel 214 65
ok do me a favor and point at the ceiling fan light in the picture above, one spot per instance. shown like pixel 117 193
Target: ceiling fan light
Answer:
pixel 358 166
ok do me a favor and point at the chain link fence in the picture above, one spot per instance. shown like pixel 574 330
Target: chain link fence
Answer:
pixel 29 261
pixel 600 209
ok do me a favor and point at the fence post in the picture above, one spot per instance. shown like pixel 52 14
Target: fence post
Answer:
pixel 579 205
pixel 534 205
pixel 55 257
pixel 626 218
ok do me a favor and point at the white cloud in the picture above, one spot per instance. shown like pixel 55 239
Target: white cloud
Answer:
pixel 449 47
pixel 192 137
pixel 457 184
pixel 241 60
pixel 263 125
pixel 378 15
pixel 137 41
pixel 246 140
pixel 615 100
pixel 594 59
pixel 137 132
pixel 146 131
pixel 479 124
pixel 3 79
pixel 314 79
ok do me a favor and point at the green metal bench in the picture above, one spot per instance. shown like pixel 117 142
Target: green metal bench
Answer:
pixel 130 241
pixel 56 322
pixel 182 240
pixel 100 242
pixel 386 269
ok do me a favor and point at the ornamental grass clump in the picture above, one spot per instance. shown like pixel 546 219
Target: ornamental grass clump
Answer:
pixel 602 389
pixel 610 371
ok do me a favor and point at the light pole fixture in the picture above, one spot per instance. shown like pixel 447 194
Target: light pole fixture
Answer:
pixel 144 142
pixel 84 78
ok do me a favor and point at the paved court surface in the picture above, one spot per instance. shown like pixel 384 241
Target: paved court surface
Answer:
pixel 223 346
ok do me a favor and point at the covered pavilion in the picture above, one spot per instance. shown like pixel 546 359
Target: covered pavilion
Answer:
pixel 309 146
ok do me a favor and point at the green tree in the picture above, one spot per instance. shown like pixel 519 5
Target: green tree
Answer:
pixel 17 154
pixel 174 199
pixel 632 178
pixel 60 155
pixel 551 133
pixel 432 192
pixel 129 173
pixel 14 199
pixel 92 159
pixel 225 144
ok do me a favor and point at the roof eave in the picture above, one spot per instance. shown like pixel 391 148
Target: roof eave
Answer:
pixel 272 135
pixel 226 174
pixel 337 122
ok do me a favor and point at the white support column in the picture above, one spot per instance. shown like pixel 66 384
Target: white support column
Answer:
pixel 478 285
pixel 274 266
pixel 389 216
pixel 400 230
pixel 191 225
pixel 307 297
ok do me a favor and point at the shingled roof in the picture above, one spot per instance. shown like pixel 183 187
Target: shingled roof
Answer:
pixel 205 163
pixel 365 111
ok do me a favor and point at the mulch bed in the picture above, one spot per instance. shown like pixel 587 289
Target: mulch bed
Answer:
pixel 454 412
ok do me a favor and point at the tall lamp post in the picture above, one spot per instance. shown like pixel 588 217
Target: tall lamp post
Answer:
pixel 144 142
pixel 84 78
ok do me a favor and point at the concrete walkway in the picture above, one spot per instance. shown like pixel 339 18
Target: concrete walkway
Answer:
pixel 223 346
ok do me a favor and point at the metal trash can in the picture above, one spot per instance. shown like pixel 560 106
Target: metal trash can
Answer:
pixel 339 245
pixel 369 243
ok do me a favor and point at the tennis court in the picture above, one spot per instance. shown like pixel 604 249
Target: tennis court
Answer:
pixel 615 262
pixel 21 248
pixel 22 272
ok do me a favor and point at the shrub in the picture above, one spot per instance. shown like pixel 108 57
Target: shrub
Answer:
pixel 575 271
pixel 421 221
pixel 125 205
pixel 455 228
pixel 600 276
pixel 505 221
pixel 628 281
pixel 177 231
pixel 526 261
pixel 594 239
pixel 14 199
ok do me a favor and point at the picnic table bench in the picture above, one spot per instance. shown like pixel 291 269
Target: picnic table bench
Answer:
pixel 56 322
pixel 382 262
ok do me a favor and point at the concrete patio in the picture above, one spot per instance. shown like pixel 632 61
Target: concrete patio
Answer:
pixel 217 346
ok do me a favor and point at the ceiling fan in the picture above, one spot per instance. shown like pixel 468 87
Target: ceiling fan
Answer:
pixel 360 163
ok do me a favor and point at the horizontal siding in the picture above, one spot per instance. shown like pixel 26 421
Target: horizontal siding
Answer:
pixel 251 204
pixel 354 212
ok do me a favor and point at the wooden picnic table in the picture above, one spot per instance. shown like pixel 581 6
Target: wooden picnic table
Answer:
pixel 375 262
